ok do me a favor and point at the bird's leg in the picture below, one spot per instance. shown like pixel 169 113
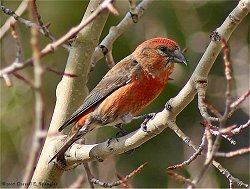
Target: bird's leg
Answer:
pixel 146 117
pixel 119 134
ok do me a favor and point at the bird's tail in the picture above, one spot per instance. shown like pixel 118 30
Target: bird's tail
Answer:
pixel 68 142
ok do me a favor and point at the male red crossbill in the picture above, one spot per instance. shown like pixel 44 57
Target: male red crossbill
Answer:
pixel 125 90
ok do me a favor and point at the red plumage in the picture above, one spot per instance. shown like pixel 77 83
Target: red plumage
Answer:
pixel 126 89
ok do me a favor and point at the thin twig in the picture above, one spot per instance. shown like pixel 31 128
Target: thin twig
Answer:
pixel 51 47
pixel 209 142
pixel 233 153
pixel 27 81
pixel 222 121
pixel 125 184
pixel 216 131
pixel 7 80
pixel 58 72
pixel 14 34
pixel 104 47
pixel 119 182
pixel 240 128
pixel 89 175
pixel 212 109
pixel 19 11
pixel 192 158
pixel 229 77
pixel 234 105
pixel 17 41
pixel 40 27
pixel 180 178
pixel 228 175
pixel 39 106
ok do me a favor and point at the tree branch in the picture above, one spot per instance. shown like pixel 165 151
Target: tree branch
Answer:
pixel 70 91
pixel 84 153
pixel 20 10
pixel 106 45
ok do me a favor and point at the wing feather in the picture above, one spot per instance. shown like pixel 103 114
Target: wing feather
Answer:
pixel 117 77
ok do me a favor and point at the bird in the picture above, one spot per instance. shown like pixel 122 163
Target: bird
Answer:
pixel 127 88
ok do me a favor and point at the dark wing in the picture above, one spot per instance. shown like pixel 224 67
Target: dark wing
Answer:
pixel 117 77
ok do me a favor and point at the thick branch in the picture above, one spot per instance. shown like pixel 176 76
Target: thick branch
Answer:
pixel 106 45
pixel 70 91
pixel 84 153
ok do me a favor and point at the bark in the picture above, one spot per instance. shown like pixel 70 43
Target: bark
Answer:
pixel 70 92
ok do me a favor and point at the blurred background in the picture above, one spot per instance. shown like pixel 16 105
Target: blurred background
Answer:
pixel 187 22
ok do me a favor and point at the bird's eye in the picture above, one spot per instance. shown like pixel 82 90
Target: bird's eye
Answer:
pixel 163 49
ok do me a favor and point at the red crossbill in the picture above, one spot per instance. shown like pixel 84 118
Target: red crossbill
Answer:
pixel 130 86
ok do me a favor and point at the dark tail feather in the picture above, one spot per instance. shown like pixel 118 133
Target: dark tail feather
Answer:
pixel 68 142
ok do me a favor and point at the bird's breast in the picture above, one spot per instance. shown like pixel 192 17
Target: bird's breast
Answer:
pixel 133 97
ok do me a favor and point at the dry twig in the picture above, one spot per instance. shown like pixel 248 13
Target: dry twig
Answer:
pixel 51 47
pixel 233 153
pixel 39 106
pixel 181 178
pixel 119 182
pixel 192 158
pixel 20 10
pixel 106 45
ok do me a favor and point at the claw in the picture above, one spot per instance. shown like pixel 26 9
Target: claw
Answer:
pixel 168 106
pixel 147 118
pixel 119 134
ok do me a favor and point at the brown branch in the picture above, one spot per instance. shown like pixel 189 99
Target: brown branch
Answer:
pixel 104 47
pixel 234 105
pixel 209 143
pixel 222 119
pixel 17 41
pixel 14 34
pixel 125 184
pixel 25 80
pixel 40 26
pixel 233 153
pixel 89 175
pixel 212 109
pixel 180 178
pixel 216 131
pixel 39 106
pixel 229 77
pixel 228 175
pixel 7 80
pixel 240 128
pixel 118 182
pixel 192 158
pixel 58 72
pixel 51 47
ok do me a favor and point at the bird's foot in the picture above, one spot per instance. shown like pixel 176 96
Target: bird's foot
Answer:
pixel 144 123
pixel 61 164
pixel 168 105
pixel 119 134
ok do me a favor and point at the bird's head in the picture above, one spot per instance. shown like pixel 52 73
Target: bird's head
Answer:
pixel 158 54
